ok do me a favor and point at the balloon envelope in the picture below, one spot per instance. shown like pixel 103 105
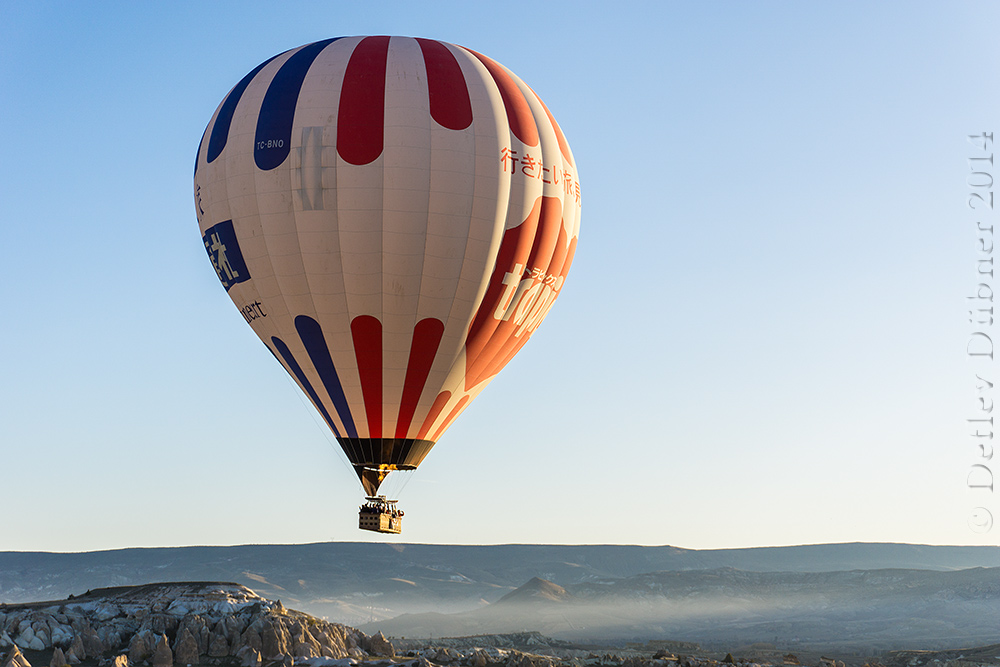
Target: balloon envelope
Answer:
pixel 393 217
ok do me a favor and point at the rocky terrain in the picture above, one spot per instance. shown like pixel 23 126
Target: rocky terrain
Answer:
pixel 357 582
pixel 931 598
pixel 176 623
pixel 228 625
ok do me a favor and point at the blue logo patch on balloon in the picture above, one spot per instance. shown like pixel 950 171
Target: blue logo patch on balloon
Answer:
pixel 224 251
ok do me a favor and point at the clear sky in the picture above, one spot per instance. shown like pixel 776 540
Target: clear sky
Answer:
pixel 764 339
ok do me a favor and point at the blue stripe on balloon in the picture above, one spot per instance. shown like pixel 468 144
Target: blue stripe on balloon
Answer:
pixel 296 370
pixel 198 154
pixel 273 140
pixel 312 337
pixel 220 131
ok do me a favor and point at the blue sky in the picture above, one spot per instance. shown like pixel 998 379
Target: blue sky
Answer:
pixel 762 340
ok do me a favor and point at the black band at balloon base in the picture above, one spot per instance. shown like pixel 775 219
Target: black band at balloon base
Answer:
pixel 391 453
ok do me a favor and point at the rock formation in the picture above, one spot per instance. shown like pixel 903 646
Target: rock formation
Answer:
pixel 186 648
pixel 162 655
pixel 162 625
pixel 76 652
pixel 15 659
pixel 225 625
pixel 380 646
pixel 58 658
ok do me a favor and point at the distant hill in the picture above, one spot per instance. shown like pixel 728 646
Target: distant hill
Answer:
pixel 535 590
pixel 354 582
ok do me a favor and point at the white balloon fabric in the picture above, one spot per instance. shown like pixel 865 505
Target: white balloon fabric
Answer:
pixel 394 218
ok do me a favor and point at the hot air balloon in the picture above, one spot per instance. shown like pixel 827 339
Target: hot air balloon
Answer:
pixel 393 217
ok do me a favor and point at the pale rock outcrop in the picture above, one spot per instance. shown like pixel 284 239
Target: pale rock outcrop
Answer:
pixel 519 659
pixel 249 657
pixel 206 621
pixel 186 648
pixel 92 642
pixel 380 646
pixel 304 644
pixel 216 629
pixel 76 652
pixel 27 639
pixel 141 647
pixel 443 656
pixel 60 633
pixel 195 625
pixel 110 638
pixel 218 647
pixel 274 641
pixel 42 634
pixel 15 659
pixel 106 611
pixel 232 627
pixel 251 638
pixel 163 624
pixel 120 660
pixel 326 651
pixel 58 659
pixel 162 655
pixel 204 637
pixel 332 644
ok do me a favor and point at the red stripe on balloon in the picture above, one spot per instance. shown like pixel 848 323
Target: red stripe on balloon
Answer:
pixel 519 117
pixel 446 89
pixel 423 348
pixel 451 417
pixel 560 268
pixel 549 226
pixel 530 245
pixel 558 262
pixel 514 249
pixel 361 116
pixel 367 333
pixel 436 408
pixel 505 340
pixel 563 144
